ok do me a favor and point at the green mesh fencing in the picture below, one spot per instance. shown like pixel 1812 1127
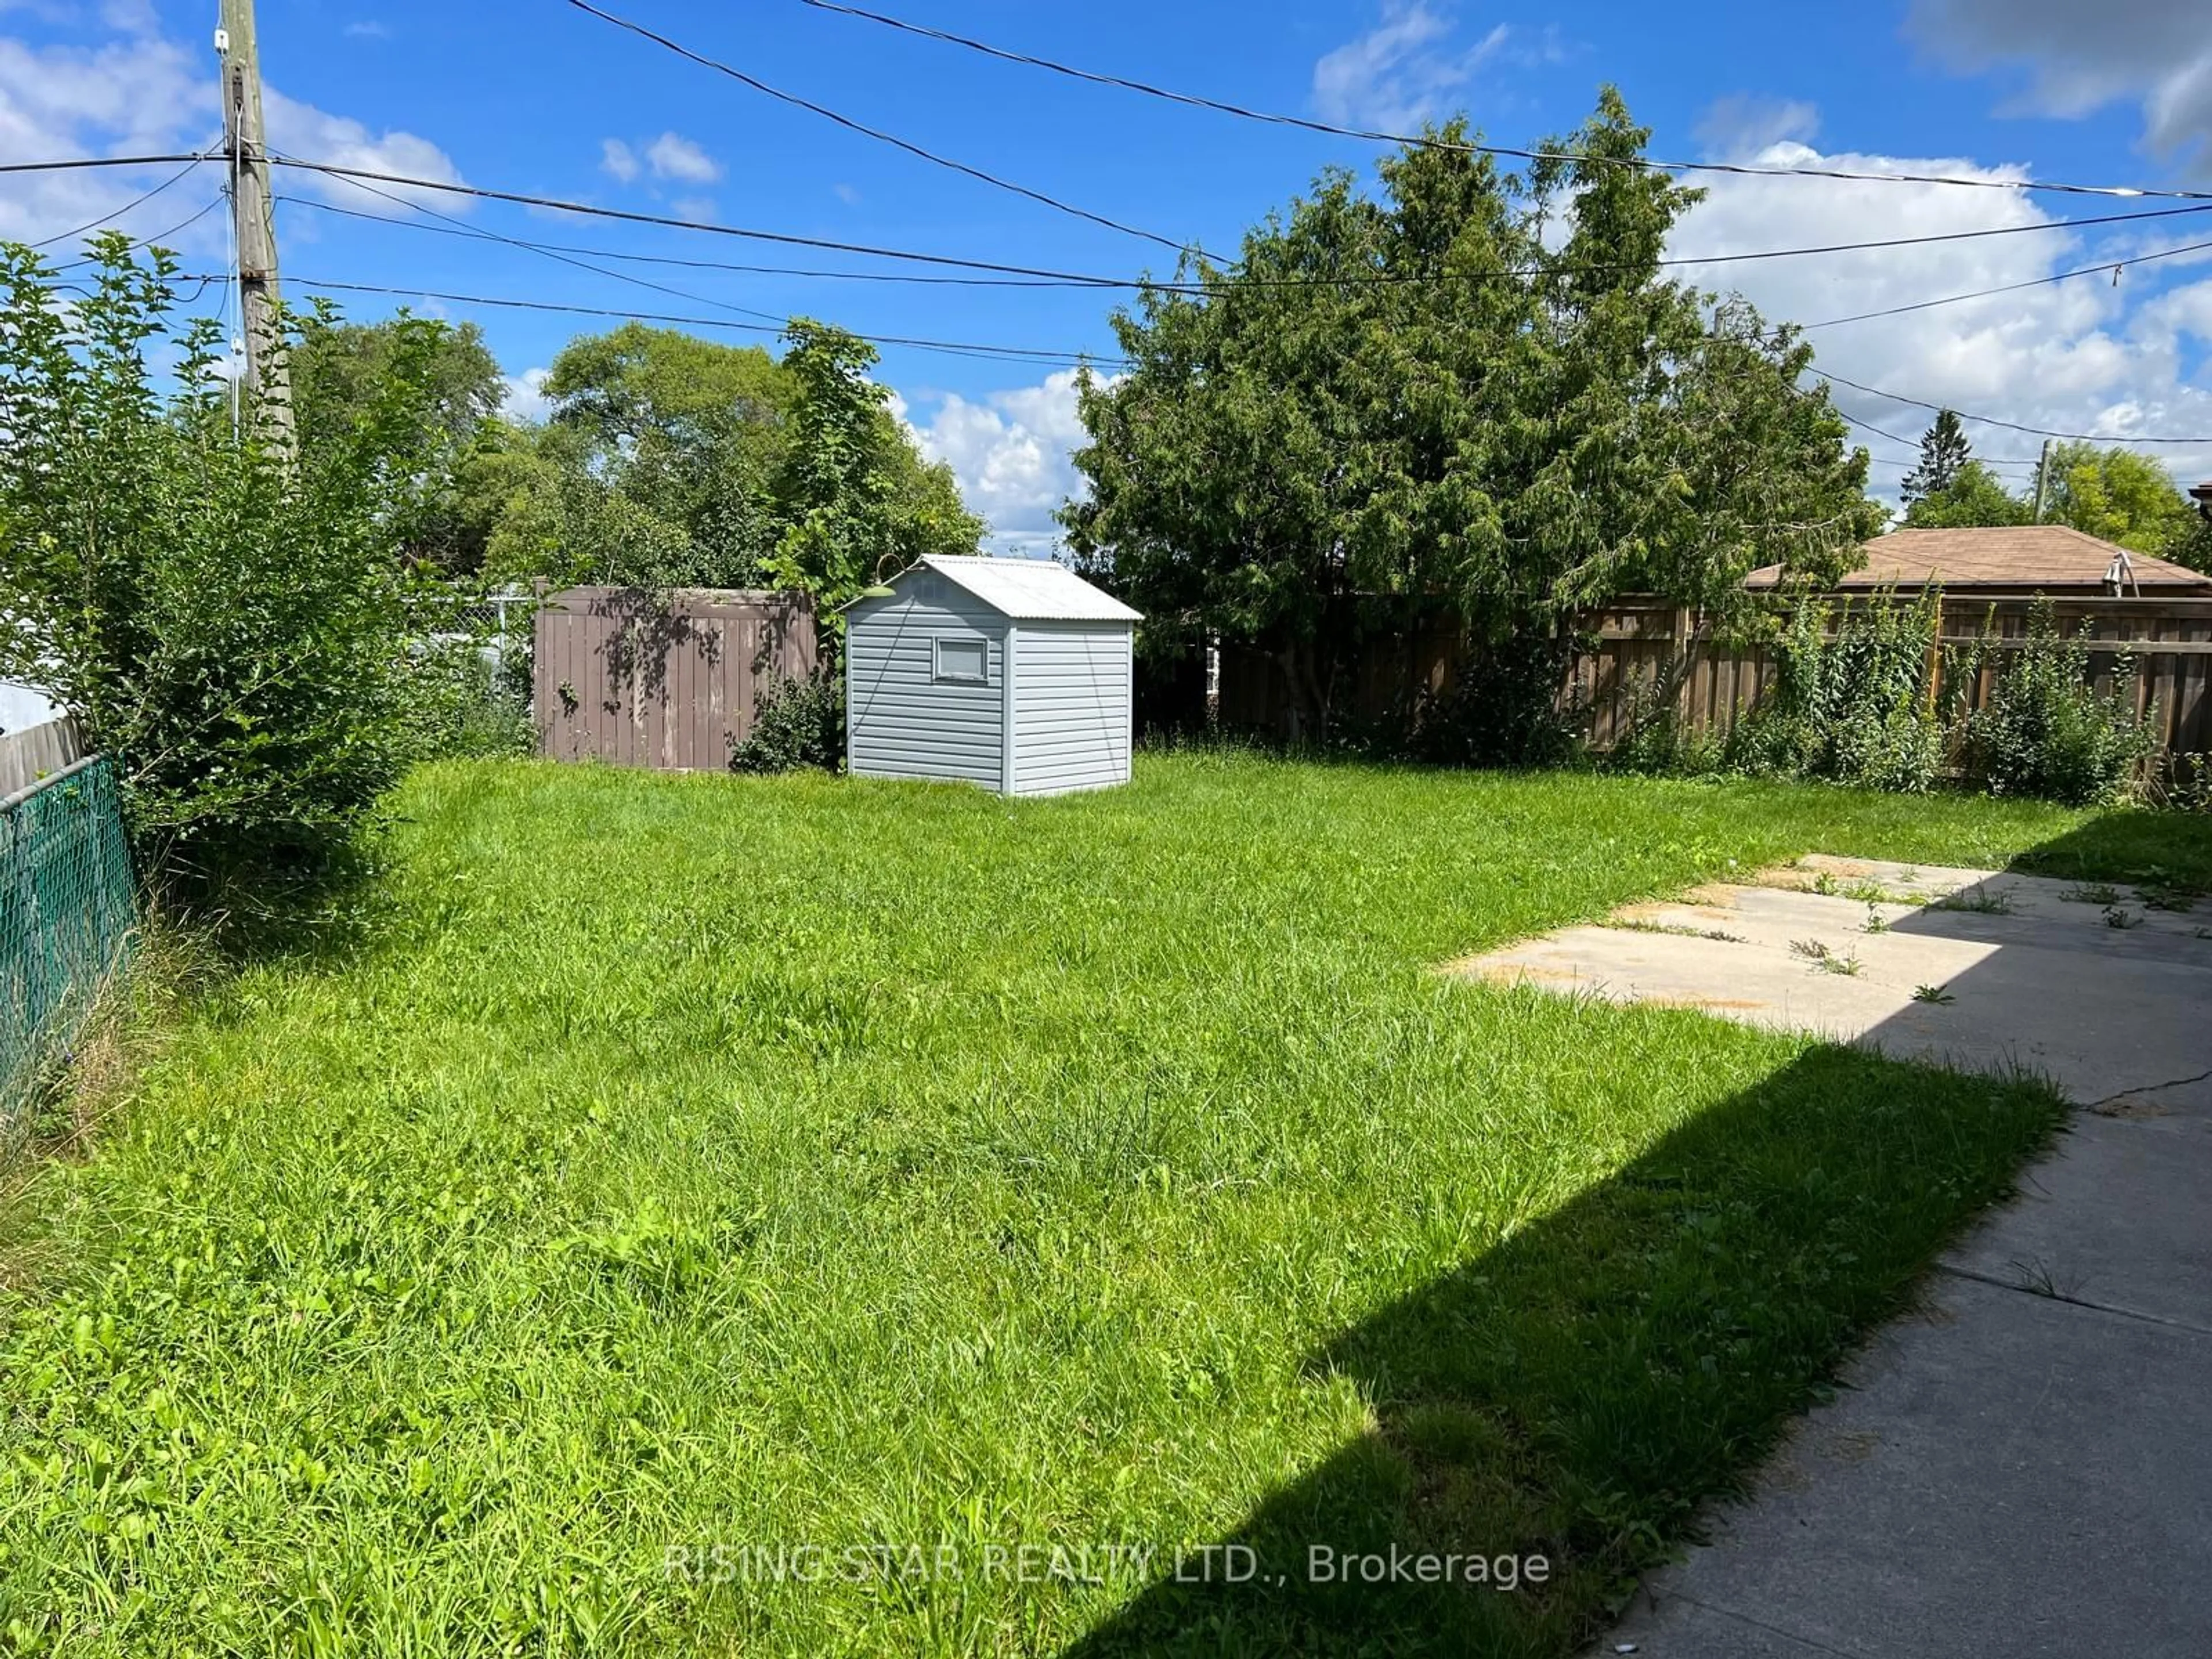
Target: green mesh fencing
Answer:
pixel 66 910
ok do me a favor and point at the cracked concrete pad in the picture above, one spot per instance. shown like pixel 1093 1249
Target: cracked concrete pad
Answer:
pixel 1980 970
pixel 2024 1469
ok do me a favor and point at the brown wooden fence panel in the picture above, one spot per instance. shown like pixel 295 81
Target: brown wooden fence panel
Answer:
pixel 1642 647
pixel 1644 654
pixel 641 676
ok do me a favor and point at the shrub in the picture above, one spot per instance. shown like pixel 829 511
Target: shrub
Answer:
pixel 796 722
pixel 230 622
pixel 2048 731
pixel 1849 705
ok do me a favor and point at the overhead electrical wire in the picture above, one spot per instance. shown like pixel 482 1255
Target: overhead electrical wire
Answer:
pixel 2009 426
pixel 1080 279
pixel 1333 130
pixel 154 238
pixel 626 216
pixel 137 201
pixel 880 136
pixel 2114 266
pixel 459 228
pixel 954 348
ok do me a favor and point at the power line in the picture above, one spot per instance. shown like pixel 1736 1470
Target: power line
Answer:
pixel 155 238
pixel 1372 136
pixel 458 228
pixel 954 348
pixel 137 201
pixel 1078 279
pixel 747 270
pixel 81 163
pixel 1913 444
pixel 2113 266
pixel 2009 426
pixel 877 134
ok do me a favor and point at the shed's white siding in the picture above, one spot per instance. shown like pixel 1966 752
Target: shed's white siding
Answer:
pixel 901 720
pixel 1071 704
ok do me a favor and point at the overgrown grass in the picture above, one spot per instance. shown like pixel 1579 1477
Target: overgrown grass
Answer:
pixel 698 1161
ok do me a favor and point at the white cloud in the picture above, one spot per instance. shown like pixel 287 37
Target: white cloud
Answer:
pixel 846 194
pixel 304 131
pixel 368 29
pixel 701 208
pixel 672 155
pixel 2078 356
pixel 1743 124
pixel 618 159
pixel 2079 59
pixel 1401 72
pixel 1009 450
pixel 525 398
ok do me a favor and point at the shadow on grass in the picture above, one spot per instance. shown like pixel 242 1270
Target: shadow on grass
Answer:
pixel 2167 850
pixel 1577 1391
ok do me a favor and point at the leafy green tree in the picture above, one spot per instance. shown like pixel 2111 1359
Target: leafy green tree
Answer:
pixel 1972 499
pixel 856 502
pixel 2120 494
pixel 1427 402
pixel 669 460
pixel 344 374
pixel 1943 450
pixel 2192 547
pixel 233 625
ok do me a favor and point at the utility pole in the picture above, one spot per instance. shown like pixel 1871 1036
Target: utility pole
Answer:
pixel 2042 479
pixel 253 215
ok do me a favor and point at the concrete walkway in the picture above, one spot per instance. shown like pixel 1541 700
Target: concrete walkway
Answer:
pixel 2024 1467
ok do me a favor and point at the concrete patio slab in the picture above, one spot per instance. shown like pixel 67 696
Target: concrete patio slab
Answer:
pixel 2024 1469
pixel 1972 968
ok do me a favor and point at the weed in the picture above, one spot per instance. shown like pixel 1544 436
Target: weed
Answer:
pixel 1823 959
pixel 1875 923
pixel 2098 893
pixel 1978 900
pixel 2123 920
pixel 1935 993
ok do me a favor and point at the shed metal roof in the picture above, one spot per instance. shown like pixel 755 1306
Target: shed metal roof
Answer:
pixel 1031 589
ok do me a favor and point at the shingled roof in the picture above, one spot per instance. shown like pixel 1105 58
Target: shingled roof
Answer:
pixel 2020 558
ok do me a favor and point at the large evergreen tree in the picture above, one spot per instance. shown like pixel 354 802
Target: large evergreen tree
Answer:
pixel 1430 401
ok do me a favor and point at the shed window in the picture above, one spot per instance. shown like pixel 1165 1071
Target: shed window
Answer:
pixel 965 660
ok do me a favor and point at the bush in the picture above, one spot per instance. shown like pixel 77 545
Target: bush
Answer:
pixel 1849 706
pixel 796 722
pixel 2048 731
pixel 229 622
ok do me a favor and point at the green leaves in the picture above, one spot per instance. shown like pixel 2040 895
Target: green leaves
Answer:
pixel 1427 401
pixel 232 625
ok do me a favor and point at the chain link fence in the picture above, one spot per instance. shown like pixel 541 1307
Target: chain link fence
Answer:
pixel 66 912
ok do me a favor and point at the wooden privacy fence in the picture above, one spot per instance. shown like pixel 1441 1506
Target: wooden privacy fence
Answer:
pixel 1643 654
pixel 647 677
pixel 1650 655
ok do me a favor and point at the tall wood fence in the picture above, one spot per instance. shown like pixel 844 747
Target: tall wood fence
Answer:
pixel 1650 655
pixel 644 677
pixel 1644 654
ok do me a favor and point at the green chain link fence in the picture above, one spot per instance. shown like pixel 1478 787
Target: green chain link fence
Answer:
pixel 66 912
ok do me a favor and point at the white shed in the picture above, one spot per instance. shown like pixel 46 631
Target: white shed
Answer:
pixel 1011 673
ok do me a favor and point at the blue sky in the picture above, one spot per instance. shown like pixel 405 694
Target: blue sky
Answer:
pixel 535 96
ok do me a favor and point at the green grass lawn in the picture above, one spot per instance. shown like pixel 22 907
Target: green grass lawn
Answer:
pixel 686 1162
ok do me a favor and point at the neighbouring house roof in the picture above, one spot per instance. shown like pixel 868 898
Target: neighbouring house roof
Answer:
pixel 1030 590
pixel 2022 557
